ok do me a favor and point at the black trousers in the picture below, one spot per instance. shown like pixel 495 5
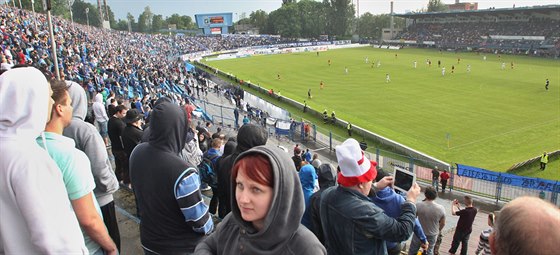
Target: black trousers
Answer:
pixel 443 185
pixel 110 219
pixel 214 201
pixel 121 166
pixel 463 239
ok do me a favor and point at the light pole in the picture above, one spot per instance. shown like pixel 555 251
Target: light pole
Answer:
pixel 70 3
pixel 87 16
pixel 34 14
pixel 47 7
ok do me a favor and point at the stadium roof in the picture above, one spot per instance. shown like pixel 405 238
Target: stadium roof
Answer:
pixel 550 11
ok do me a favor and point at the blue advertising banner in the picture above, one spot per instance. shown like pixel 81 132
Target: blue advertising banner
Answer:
pixel 509 179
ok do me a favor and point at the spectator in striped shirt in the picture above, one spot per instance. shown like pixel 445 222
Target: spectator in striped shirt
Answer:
pixel 174 216
pixel 483 244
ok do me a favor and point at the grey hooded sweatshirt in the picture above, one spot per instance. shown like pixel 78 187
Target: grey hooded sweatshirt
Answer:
pixel 282 232
pixel 89 141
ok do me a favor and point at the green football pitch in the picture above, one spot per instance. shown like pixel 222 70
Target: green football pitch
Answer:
pixel 494 117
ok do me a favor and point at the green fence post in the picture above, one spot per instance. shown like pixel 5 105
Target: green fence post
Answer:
pixel 330 141
pixel 302 131
pixel 554 193
pixel 222 114
pixel 314 132
pixel 452 179
pixel 377 155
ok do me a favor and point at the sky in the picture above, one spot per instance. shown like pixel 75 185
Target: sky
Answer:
pixel 238 7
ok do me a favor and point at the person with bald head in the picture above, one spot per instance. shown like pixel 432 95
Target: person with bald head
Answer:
pixel 526 225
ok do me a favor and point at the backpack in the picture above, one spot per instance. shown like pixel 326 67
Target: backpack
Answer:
pixel 208 172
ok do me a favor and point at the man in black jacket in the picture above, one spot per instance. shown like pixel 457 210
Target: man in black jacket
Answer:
pixel 115 129
pixel 174 216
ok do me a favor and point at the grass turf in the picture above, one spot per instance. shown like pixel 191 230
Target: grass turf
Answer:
pixel 494 118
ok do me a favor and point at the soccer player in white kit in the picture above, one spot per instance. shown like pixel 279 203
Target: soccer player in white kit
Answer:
pixel 387 78
pixel 443 71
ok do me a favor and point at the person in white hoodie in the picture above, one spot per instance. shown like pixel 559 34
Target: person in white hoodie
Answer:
pixel 101 117
pixel 35 211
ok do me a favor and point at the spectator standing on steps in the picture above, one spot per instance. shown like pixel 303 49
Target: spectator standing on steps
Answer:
pixel 248 136
pixel 483 245
pixel 236 117
pixel 267 204
pixel 444 177
pixel 37 217
pixel 464 225
pixel 88 140
pixel 76 173
pixel 167 188
pixel 432 217
pixel 435 178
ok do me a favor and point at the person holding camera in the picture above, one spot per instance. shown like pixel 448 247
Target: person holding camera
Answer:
pixel 351 222
pixel 464 225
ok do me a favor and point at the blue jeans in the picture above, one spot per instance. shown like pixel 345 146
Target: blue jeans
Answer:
pixel 102 128
pixel 435 184
pixel 99 252
pixel 460 237
pixel 416 243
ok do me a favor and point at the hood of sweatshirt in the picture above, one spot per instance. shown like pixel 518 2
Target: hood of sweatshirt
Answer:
pixel 307 177
pixel 249 136
pixel 24 99
pixel 229 148
pixel 79 100
pixel 287 206
pixel 326 175
pixel 98 98
pixel 168 128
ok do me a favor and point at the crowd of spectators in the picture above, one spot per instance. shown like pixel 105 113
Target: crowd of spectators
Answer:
pixel 478 34
pixel 143 115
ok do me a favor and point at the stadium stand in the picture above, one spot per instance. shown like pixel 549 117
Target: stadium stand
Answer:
pixel 529 30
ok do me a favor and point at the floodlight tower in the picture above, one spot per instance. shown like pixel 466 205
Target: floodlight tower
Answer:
pixel 106 10
pixel 100 10
pixel 392 27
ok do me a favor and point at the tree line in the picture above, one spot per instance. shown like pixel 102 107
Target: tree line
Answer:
pixel 146 22
pixel 295 19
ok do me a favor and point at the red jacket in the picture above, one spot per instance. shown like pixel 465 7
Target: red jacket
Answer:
pixel 444 176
